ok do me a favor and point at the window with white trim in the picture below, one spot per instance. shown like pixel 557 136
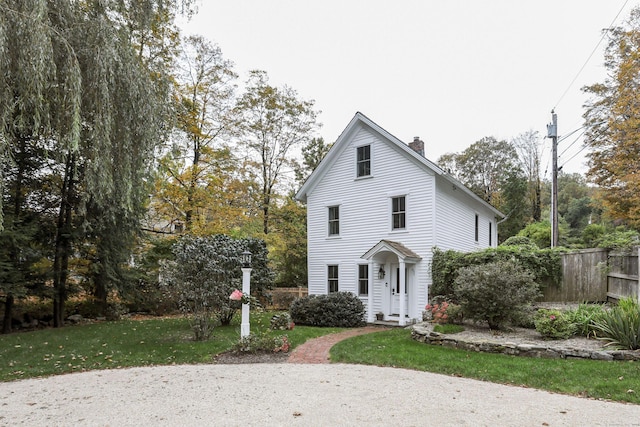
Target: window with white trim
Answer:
pixel 334 220
pixel 398 213
pixel 332 278
pixel 363 162
pixel 363 279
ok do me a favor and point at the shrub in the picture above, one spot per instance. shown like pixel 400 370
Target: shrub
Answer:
pixel 554 324
pixel 584 316
pixel 281 322
pixel 206 270
pixel 263 343
pixel 495 292
pixel 620 326
pixel 544 264
pixel 438 312
pixel 520 241
pixel 337 309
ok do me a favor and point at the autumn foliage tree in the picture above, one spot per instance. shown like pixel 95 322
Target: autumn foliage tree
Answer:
pixel 274 122
pixel 490 168
pixel 612 120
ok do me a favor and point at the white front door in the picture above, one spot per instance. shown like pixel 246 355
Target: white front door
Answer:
pixel 395 291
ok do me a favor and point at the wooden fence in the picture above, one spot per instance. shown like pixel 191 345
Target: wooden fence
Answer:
pixel 283 297
pixel 596 275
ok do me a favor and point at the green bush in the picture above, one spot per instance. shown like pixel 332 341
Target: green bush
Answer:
pixel 584 316
pixel 544 264
pixel 338 309
pixel 263 343
pixel 496 292
pixel 554 324
pixel 520 241
pixel 281 322
pixel 620 326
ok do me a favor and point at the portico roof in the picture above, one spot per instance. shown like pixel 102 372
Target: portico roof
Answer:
pixel 400 250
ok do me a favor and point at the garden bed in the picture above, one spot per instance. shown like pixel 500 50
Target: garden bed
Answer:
pixel 519 342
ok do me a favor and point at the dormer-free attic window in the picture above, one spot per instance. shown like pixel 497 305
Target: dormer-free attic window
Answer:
pixel 364 161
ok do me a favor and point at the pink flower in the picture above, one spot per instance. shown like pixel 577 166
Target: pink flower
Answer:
pixel 552 317
pixel 236 295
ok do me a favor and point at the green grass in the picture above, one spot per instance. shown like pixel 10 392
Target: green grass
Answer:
pixel 166 341
pixel 124 343
pixel 587 378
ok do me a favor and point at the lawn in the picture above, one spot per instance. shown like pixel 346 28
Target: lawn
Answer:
pixel 614 380
pixel 107 345
pixel 166 341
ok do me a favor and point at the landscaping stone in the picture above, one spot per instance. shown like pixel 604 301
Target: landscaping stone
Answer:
pixel 482 341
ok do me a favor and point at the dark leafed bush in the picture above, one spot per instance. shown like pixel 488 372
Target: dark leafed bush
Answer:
pixel 338 309
pixel 496 292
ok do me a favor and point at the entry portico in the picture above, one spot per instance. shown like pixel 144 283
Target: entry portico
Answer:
pixel 396 288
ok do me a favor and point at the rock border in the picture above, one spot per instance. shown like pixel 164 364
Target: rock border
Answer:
pixel 423 332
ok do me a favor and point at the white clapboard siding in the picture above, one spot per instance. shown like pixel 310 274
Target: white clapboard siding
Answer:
pixel 437 213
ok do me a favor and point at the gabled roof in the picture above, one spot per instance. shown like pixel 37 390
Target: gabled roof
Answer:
pixel 358 121
pixel 401 251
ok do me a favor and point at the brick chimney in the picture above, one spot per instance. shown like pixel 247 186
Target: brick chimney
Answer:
pixel 417 145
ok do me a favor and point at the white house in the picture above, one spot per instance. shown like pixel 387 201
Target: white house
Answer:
pixel 376 207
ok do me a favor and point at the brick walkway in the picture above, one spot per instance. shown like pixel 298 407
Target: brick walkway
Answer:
pixel 317 350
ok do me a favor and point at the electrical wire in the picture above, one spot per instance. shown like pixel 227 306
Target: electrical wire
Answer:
pixel 604 34
pixel 574 141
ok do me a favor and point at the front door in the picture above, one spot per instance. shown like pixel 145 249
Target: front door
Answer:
pixel 395 291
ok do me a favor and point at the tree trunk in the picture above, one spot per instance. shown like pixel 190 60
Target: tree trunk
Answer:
pixel 63 244
pixel 8 310
pixel 537 214
pixel 100 291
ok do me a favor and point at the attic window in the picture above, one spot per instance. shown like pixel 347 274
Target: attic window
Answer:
pixel 398 212
pixel 363 163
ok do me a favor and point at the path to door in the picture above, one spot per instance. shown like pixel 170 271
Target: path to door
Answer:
pixel 317 349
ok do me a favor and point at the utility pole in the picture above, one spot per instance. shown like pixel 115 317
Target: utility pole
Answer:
pixel 552 132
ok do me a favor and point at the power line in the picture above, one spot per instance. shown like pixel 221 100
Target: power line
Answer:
pixel 569 134
pixel 572 157
pixel 574 141
pixel 604 33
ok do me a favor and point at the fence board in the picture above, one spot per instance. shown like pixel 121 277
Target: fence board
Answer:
pixel 583 278
pixel 622 279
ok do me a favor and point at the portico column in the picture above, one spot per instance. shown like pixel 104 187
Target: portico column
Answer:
pixel 403 295
pixel 370 293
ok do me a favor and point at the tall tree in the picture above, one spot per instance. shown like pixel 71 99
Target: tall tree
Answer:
pixel 312 154
pixel 612 120
pixel 490 169
pixel 274 122
pixel 70 75
pixel 200 183
pixel 529 148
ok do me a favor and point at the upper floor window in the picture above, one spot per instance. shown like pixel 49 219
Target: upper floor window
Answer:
pixel 334 220
pixel 364 161
pixel 332 278
pixel 398 212
pixel 363 279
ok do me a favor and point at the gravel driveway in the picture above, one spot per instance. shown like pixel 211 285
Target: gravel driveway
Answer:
pixel 291 395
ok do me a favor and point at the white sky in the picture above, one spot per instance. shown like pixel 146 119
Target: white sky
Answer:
pixel 451 72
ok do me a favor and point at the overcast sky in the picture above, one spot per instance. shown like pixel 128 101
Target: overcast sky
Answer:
pixel 451 72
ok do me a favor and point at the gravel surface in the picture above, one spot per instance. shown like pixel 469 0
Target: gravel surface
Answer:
pixel 292 395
